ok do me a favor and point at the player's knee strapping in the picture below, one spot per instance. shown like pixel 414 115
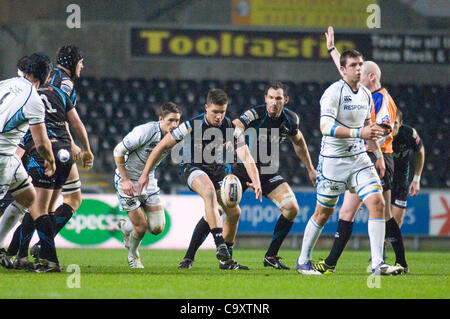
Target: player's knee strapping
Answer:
pixel 71 186
pixel 327 201
pixel 18 188
pixel 284 199
pixel 366 190
pixel 156 221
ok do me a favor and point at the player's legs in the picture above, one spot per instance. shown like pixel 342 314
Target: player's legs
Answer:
pixel 284 198
pixel 16 210
pixel 46 230
pixel 312 231
pixel 156 220
pixel 393 233
pixel 399 214
pixel 72 189
pixel 20 188
pixel 377 227
pixel 350 206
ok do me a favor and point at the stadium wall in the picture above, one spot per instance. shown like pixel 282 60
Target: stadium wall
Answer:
pixel 110 57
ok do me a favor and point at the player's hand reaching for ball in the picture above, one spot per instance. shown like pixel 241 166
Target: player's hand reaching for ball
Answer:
pixel 257 188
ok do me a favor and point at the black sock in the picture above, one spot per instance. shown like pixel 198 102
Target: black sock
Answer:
pixel 46 233
pixel 26 233
pixel 394 235
pixel 15 242
pixel 217 234
pixel 62 215
pixel 199 235
pixel 280 232
pixel 230 248
pixel 343 233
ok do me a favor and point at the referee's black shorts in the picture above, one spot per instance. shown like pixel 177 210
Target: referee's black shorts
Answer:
pixel 386 181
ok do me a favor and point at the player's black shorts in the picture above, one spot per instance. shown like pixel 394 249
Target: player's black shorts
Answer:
pixel 386 181
pixel 399 195
pixel 268 181
pixel 216 173
pixel 35 168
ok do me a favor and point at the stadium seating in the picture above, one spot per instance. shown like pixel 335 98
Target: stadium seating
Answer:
pixel 111 107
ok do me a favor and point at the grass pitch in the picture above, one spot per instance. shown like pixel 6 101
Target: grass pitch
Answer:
pixel 104 274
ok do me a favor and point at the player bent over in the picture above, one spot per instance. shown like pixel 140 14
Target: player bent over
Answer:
pixel 264 120
pixel 344 164
pixel 204 135
pixel 145 210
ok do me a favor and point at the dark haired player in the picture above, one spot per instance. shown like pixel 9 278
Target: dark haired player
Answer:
pixel 406 143
pixel 204 135
pixel 58 110
pixel 22 109
pixel 263 120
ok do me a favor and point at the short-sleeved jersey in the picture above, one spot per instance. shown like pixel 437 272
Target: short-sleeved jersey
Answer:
pixel 57 104
pixel 349 109
pixel 405 143
pixel 20 106
pixel 204 144
pixel 384 111
pixel 140 142
pixel 258 118
pixel 60 79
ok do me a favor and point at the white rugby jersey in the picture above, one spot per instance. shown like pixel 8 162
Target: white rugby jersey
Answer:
pixel 349 109
pixel 140 142
pixel 20 106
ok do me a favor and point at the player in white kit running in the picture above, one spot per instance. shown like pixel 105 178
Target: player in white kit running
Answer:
pixel 345 122
pixel 130 156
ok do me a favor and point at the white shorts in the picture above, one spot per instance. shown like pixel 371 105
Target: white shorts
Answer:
pixel 335 175
pixel 13 176
pixel 149 196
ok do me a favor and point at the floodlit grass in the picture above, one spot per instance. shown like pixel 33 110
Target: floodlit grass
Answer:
pixel 105 274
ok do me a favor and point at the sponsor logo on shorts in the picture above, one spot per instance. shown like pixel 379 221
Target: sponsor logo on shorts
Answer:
pixel 401 203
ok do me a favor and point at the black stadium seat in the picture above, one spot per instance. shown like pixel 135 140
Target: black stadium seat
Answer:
pixel 111 107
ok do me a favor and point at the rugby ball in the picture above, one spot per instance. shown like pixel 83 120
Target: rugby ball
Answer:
pixel 63 155
pixel 231 191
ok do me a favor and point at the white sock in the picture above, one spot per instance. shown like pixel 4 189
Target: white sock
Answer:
pixel 127 226
pixel 377 229
pixel 134 245
pixel 13 213
pixel 312 233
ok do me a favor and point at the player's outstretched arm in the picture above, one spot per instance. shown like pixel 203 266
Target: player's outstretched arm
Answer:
pixel 247 159
pixel 167 142
pixel 87 158
pixel 334 53
pixel 44 147
pixel 301 149
pixel 419 161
